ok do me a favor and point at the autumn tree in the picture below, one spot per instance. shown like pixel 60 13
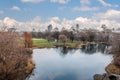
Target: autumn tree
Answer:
pixel 28 40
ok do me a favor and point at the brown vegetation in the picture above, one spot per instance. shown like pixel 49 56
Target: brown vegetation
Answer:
pixel 63 38
pixel 28 40
pixel 111 68
pixel 114 67
pixel 115 43
pixel 116 60
pixel 13 57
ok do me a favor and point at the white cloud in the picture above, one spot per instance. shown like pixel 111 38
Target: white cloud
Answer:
pixel 110 18
pixel 15 8
pixel 37 19
pixel 109 15
pixel 31 1
pixel 87 23
pixel 104 3
pixel 84 2
pixel 56 19
pixel 60 1
pixel 81 19
pixel 1 12
pixel 9 21
pixel 86 8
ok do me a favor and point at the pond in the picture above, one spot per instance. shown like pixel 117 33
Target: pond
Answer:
pixel 69 64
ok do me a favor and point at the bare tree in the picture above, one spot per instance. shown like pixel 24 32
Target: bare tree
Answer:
pixel 115 43
pixel 13 57
pixel 56 35
pixel 91 35
pixel 83 36
pixel 115 48
pixel 63 38
pixel 3 27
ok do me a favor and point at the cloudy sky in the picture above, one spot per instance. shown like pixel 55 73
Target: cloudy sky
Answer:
pixel 38 14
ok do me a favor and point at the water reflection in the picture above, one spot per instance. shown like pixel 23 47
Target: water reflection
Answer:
pixel 64 51
pixel 89 49
pixel 73 65
pixel 93 48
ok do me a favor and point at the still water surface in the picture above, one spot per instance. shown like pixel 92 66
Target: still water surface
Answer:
pixel 72 64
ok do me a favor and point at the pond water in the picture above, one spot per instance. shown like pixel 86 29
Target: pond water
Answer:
pixel 69 64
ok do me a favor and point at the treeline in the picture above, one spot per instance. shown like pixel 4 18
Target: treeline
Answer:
pixel 107 37
pixel 112 39
pixel 86 35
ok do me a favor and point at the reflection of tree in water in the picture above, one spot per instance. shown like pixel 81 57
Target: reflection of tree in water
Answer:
pixel 30 75
pixel 89 49
pixel 93 48
pixel 64 51
pixel 102 48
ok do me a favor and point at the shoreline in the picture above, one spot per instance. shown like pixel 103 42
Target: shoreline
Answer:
pixel 67 45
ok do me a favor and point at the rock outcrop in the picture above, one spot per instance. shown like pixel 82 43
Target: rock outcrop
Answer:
pixel 106 76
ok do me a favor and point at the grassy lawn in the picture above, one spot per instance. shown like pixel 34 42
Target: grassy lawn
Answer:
pixel 45 43
pixel 42 43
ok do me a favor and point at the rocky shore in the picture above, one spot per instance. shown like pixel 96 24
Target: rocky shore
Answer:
pixel 112 73
pixel 106 76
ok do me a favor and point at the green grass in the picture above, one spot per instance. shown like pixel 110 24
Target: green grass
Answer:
pixel 72 44
pixel 42 43
pixel 45 43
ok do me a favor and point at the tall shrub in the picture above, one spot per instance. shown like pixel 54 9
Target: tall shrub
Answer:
pixel 13 57
pixel 28 40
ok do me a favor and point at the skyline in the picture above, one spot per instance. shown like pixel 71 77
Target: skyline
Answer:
pixel 59 13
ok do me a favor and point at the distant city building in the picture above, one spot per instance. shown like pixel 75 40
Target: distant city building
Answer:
pixel 116 30
pixel 113 29
pixel 77 27
pixel 33 30
pixel 63 29
pixel 103 26
pixel 49 27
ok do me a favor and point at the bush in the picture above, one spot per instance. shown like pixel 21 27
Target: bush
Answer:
pixel 63 38
pixel 13 57
pixel 28 40
pixel 116 60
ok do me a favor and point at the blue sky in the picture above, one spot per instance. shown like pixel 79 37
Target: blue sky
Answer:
pixel 24 10
pixel 38 14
